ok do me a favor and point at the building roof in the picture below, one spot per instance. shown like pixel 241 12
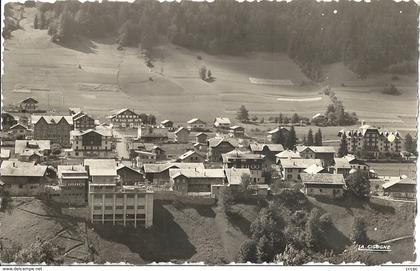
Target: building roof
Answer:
pixel 201 134
pixel 314 169
pixel 165 121
pixel 237 127
pixel 82 115
pixel 341 163
pixel 234 175
pixel 299 163
pixel 288 154
pixel 271 147
pixel 277 129
pixel 237 154
pixel 399 180
pixel 41 145
pixel 22 169
pixel 4 153
pixel 361 131
pixel 215 141
pixel 101 167
pixel 222 120
pixel 18 126
pixel 72 172
pixel 51 119
pixel 181 129
pixel 316 149
pixel 121 166
pixel 188 154
pixel 101 131
pixel 145 152
pixel 322 178
pixel 120 111
pixel 158 168
pixel 197 173
pixel 29 100
pixel 318 115
pixel 194 120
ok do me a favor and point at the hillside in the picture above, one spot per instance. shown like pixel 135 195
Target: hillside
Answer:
pixel 109 78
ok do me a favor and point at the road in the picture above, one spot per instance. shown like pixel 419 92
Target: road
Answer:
pixel 121 136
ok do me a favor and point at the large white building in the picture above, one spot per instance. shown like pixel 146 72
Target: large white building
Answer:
pixel 92 143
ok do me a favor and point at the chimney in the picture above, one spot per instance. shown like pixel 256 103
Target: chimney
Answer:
pixel 14 164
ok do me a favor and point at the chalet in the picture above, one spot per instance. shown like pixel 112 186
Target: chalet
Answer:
pixel 23 178
pixel 291 168
pixel 357 164
pixel 83 122
pixel 237 131
pixel 28 105
pixel 325 153
pixel 128 175
pixel 374 141
pixel 277 135
pixel 167 123
pixel 144 157
pixel 218 146
pixel 159 173
pixel 222 123
pixel 400 188
pixel 323 184
pixel 287 154
pixel 319 119
pixel 191 157
pixel 255 162
pixel 4 154
pixel 7 120
pixel 149 134
pixel 150 148
pixel 32 150
pixel 341 166
pixel 196 125
pixel 201 137
pixel 92 143
pixel 195 181
pixel 54 128
pixel 182 135
pixel 125 118
pixel 19 131
pixel 73 182
pixel 74 110
pixel 268 150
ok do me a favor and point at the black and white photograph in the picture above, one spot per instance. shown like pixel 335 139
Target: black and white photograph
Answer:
pixel 209 133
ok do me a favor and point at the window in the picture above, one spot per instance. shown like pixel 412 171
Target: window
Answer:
pixel 20 186
pixel 108 207
pixel 320 190
pixel 289 176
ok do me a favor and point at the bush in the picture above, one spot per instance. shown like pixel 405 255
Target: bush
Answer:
pixel 248 252
pixel 391 90
pixel 325 221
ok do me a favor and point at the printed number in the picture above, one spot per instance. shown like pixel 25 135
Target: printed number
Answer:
pixel 411 269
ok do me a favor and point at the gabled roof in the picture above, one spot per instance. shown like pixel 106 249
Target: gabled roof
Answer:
pixel 399 180
pixel 314 169
pixel 201 134
pixel 22 145
pixel 101 167
pixel 322 178
pixel 165 121
pixel 158 168
pixel 29 100
pixel 277 129
pixel 271 147
pixel 216 141
pixel 51 119
pixel 181 129
pixel 188 154
pixel 288 154
pixel 361 131
pixel 237 154
pixel 341 163
pixel 222 120
pixel 22 169
pixel 234 175
pixel 299 163
pixel 122 166
pixel 120 111
pixel 316 149
pixel 197 173
pixel 80 116
pixel 18 126
pixel 194 120
pixel 72 172
pixel 237 127
pixel 4 154
pixel 102 132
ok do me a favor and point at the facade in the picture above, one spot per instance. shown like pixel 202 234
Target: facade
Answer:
pixel 18 131
pixel 325 153
pixel 128 175
pixel 218 146
pixel 256 163
pixel 195 181
pixel 158 174
pixel 83 122
pixel 268 150
pixel 357 164
pixel 341 166
pixel 275 135
pixel 201 138
pixel 222 123
pixel 144 157
pixel 54 128
pixel 23 178
pixel 237 131
pixel 92 143
pixel 182 135
pixel 125 118
pixel 73 183
pixel 323 184
pixel 196 124
pixel 149 134
pixel 400 188
pixel 191 157
pixel 28 105
pixel 374 141
pixel 291 168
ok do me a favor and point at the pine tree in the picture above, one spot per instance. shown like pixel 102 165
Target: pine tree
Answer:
pixel 291 139
pixel 409 144
pixel 318 138
pixel 310 139
pixel 243 114
pixel 343 151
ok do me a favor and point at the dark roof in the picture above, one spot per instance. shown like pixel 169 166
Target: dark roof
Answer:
pixel 322 178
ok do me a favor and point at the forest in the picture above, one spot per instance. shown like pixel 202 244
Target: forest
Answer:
pixel 379 36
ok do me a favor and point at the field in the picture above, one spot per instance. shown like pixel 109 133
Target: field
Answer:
pixel 94 75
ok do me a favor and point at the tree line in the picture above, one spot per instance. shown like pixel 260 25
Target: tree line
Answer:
pixel 365 36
